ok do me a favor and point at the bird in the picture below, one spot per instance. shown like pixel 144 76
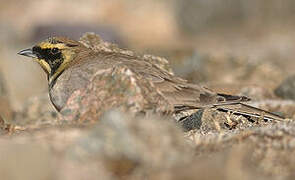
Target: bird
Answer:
pixel 69 65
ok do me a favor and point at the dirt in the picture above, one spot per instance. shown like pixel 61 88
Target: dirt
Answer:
pixel 252 55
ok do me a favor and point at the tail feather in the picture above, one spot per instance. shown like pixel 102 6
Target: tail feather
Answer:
pixel 250 111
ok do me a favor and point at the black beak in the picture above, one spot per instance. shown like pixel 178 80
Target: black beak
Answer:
pixel 28 53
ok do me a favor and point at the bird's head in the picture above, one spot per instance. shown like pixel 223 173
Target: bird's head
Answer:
pixel 54 54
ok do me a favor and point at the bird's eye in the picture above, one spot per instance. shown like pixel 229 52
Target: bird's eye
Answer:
pixel 54 50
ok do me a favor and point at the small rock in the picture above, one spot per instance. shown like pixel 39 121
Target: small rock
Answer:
pixel 126 145
pixel 193 121
pixel 286 89
pixel 36 111
pixel 127 92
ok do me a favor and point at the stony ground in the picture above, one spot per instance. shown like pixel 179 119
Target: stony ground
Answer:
pixel 39 143
pixel 239 56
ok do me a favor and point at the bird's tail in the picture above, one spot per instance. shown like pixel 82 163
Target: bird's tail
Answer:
pixel 248 111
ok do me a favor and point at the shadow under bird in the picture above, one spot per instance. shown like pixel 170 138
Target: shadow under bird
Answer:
pixel 70 65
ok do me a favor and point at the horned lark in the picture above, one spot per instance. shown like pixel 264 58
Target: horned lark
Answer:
pixel 69 65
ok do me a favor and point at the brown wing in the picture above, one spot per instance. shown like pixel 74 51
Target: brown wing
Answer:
pixel 184 95
pixel 176 90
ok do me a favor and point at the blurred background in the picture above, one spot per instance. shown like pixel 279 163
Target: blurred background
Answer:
pixel 232 46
